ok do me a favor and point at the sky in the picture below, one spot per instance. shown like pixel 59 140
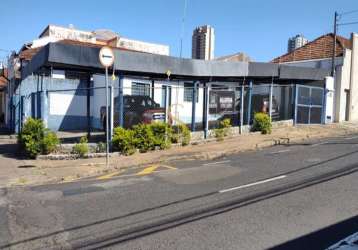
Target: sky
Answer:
pixel 260 28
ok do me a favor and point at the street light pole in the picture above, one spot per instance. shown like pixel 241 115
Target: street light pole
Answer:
pixel 333 67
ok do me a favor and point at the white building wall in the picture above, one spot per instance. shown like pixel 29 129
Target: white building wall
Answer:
pixel 353 108
pixel 329 96
pixel 341 87
pixel 180 110
pixel 98 100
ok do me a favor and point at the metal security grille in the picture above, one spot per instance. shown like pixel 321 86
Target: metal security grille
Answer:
pixel 140 89
pixel 309 105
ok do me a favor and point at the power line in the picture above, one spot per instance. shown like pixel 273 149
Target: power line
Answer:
pixel 341 24
pixel 5 50
pixel 348 12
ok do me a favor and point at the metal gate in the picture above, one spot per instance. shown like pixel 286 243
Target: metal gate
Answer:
pixel 309 105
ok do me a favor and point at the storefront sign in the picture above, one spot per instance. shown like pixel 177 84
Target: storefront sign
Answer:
pixel 221 102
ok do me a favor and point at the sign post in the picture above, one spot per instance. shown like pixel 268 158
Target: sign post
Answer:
pixel 106 57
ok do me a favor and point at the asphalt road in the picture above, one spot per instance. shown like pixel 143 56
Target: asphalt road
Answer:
pixel 284 197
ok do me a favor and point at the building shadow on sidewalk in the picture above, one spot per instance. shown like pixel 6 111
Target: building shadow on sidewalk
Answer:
pixel 11 150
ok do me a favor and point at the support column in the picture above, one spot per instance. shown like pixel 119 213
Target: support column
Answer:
pixel 242 107
pixel 38 98
pixel 193 106
pixel 206 110
pixel 152 89
pixel 88 101
pixel 44 107
pixel 166 102
pixel 270 101
pixel 295 105
pixel 21 111
pixel 120 102
pixel 249 108
pixel 111 111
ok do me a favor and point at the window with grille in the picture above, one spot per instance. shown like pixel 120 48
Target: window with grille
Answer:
pixel 142 89
pixel 188 92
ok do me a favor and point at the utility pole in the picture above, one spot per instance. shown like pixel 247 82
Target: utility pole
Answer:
pixel 333 67
pixel 182 29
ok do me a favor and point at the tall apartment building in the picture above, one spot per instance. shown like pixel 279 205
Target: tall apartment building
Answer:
pixel 203 43
pixel 296 42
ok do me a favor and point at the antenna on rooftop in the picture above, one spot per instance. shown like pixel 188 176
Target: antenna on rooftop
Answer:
pixel 182 28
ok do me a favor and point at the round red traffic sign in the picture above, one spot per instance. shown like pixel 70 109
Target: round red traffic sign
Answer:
pixel 106 56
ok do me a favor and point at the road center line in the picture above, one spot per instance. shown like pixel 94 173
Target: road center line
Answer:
pixel 280 151
pixel 351 138
pixel 214 163
pixel 318 144
pixel 253 184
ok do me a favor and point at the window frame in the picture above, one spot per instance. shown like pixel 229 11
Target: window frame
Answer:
pixel 188 97
pixel 139 87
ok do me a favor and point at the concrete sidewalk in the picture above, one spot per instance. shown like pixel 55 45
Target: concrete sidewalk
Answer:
pixel 15 170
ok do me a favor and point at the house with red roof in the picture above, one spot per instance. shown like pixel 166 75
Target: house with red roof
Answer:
pixel 318 54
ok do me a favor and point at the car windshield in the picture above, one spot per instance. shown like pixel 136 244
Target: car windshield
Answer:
pixel 135 101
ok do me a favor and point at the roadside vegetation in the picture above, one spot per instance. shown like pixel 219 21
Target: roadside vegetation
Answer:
pixel 223 130
pixel 35 139
pixel 181 134
pixel 81 148
pixel 262 122
pixel 147 137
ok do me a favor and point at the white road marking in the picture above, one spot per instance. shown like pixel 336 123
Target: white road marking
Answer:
pixel 351 138
pixel 253 184
pixel 318 144
pixel 312 160
pixel 215 163
pixel 280 151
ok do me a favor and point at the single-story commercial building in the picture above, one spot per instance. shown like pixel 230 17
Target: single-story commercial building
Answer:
pixel 63 83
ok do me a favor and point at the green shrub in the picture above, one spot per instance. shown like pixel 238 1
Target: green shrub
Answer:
pixel 162 134
pixel 223 130
pixel 146 137
pixel 100 147
pixel 81 148
pixel 262 122
pixel 219 134
pixel 31 137
pixel 181 134
pixel 50 142
pixel 143 138
pixel 35 139
pixel 123 140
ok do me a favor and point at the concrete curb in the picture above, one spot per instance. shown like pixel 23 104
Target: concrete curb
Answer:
pixel 74 156
pixel 209 155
